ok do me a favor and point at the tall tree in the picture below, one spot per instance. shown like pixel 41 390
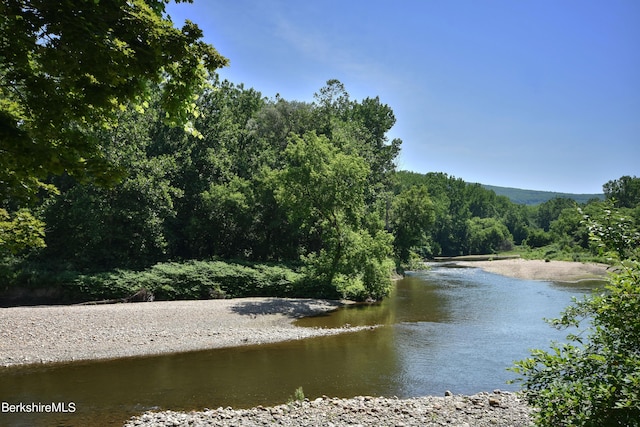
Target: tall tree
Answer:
pixel 515 217
pixel 221 163
pixel 413 216
pixel 323 190
pixel 67 67
pixel 625 191
pixel 550 210
pixel 363 126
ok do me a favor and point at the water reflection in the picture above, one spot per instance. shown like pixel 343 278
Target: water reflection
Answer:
pixel 459 329
pixel 410 301
pixel 445 329
pixel 239 377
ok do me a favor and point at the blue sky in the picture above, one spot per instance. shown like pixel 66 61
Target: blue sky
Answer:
pixel 534 94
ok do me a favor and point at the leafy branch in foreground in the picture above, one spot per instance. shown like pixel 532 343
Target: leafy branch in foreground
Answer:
pixel 69 67
pixel 595 380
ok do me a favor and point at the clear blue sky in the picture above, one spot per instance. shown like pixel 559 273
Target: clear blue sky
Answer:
pixel 534 94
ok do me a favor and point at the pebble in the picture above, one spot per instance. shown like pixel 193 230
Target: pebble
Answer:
pixel 48 334
pixel 428 411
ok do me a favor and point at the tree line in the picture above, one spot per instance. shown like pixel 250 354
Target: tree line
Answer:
pixel 122 150
pixel 263 180
pixel 309 184
pixel 469 219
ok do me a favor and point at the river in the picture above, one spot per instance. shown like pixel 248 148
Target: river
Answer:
pixel 443 329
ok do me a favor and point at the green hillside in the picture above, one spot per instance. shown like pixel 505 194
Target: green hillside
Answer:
pixel 534 197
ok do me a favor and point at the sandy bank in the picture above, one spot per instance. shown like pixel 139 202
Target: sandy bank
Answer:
pixel 556 271
pixel 66 333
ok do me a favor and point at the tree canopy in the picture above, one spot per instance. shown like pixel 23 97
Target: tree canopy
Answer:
pixel 67 67
pixel 625 191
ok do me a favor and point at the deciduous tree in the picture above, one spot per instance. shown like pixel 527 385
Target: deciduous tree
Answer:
pixel 20 231
pixel 67 67
pixel 413 215
pixel 323 189
pixel 625 191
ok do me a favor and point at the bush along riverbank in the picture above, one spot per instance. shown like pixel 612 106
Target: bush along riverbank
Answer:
pixel 496 409
pixel 164 281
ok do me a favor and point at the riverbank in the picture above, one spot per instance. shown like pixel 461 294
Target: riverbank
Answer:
pixel 497 409
pixel 554 271
pixel 45 334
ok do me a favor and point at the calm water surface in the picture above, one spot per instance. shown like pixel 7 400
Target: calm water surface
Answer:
pixel 444 329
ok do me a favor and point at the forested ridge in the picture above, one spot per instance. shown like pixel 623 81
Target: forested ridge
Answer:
pixel 151 172
pixel 535 197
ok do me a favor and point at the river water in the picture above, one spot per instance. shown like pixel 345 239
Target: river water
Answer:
pixel 443 329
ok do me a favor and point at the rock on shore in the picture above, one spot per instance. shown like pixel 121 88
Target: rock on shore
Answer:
pixel 496 409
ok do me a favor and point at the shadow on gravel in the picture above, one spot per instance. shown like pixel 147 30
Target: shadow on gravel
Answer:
pixel 294 308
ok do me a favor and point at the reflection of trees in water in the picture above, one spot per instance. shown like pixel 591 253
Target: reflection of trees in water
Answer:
pixel 411 300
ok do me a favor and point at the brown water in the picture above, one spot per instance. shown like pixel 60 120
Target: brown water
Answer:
pixel 447 329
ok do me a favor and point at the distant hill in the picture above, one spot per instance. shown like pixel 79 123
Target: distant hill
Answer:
pixel 534 197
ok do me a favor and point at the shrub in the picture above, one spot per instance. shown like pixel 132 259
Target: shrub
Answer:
pixel 538 238
pixel 213 279
pixel 298 396
pixel 593 381
pixel 167 281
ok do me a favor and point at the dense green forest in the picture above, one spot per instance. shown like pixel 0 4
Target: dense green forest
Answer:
pixel 470 219
pixel 264 180
pixel 298 198
pixel 130 165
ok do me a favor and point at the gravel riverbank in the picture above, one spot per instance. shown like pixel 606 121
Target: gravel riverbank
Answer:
pixel 496 409
pixel 86 332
